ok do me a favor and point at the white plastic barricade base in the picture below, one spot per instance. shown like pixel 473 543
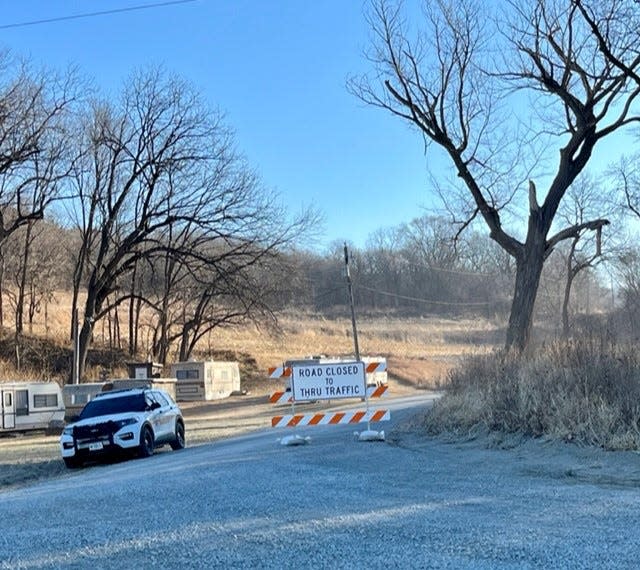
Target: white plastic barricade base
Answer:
pixel 369 435
pixel 294 440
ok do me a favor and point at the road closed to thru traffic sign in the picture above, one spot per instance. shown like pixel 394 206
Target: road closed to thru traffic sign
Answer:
pixel 328 381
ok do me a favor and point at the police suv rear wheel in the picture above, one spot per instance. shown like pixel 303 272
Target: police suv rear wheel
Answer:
pixel 179 441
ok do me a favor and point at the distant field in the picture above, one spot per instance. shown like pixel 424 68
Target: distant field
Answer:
pixel 419 351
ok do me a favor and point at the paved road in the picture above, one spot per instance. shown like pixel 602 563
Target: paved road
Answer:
pixel 250 502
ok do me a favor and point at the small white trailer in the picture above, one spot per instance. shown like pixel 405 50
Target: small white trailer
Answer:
pixel 76 396
pixel 205 380
pixel 30 405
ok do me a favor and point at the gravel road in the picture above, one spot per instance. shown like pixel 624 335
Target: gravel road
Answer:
pixel 411 502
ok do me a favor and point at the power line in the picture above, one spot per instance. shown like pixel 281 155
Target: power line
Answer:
pixel 93 14
pixel 444 303
pixel 445 270
pixel 327 292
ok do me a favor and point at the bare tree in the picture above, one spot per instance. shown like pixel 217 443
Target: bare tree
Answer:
pixel 157 164
pixel 626 270
pixel 34 142
pixel 572 57
pixel 224 294
pixel 587 249
pixel 130 152
pixel 34 268
pixel 382 269
pixel 627 177
pixel 50 269
pixel 431 256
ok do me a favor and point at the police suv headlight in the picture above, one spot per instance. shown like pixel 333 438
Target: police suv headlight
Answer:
pixel 121 423
pixel 68 430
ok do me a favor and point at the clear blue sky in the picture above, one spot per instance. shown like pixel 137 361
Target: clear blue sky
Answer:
pixel 277 69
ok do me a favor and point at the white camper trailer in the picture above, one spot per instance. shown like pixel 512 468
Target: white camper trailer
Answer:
pixel 30 405
pixel 208 380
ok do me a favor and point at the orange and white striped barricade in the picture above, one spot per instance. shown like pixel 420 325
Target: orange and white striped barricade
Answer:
pixel 280 372
pixel 328 381
pixel 330 418
pixel 373 367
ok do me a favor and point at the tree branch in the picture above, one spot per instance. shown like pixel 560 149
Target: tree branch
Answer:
pixel 573 232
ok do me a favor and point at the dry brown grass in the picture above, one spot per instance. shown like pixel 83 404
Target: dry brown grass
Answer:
pixel 393 337
pixel 586 392
pixel 419 351
pixel 53 323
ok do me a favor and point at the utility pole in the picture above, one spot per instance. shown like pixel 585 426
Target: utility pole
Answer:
pixel 75 367
pixel 347 274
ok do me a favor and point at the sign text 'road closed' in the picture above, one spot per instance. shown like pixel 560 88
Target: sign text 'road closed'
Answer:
pixel 328 381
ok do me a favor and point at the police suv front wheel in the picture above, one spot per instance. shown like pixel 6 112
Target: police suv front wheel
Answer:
pixel 146 442
pixel 72 462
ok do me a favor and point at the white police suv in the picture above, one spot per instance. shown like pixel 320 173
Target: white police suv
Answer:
pixel 136 420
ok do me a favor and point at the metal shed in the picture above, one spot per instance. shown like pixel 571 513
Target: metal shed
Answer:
pixel 77 395
pixel 143 370
pixel 205 380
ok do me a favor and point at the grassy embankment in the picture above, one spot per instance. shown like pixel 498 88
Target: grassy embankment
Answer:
pixel 587 391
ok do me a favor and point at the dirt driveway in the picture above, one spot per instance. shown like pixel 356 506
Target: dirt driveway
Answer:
pixel 26 458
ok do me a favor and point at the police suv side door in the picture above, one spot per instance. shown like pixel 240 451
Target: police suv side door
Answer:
pixel 167 415
pixel 154 415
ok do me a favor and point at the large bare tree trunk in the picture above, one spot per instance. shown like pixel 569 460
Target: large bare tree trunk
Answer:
pixel 92 307
pixel 1 285
pixel 163 325
pixel 163 343
pixel 528 271
pixel 134 311
pixel 22 285
pixel 132 330
pixel 85 339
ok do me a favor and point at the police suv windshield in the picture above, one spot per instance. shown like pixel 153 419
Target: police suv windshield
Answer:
pixel 108 406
